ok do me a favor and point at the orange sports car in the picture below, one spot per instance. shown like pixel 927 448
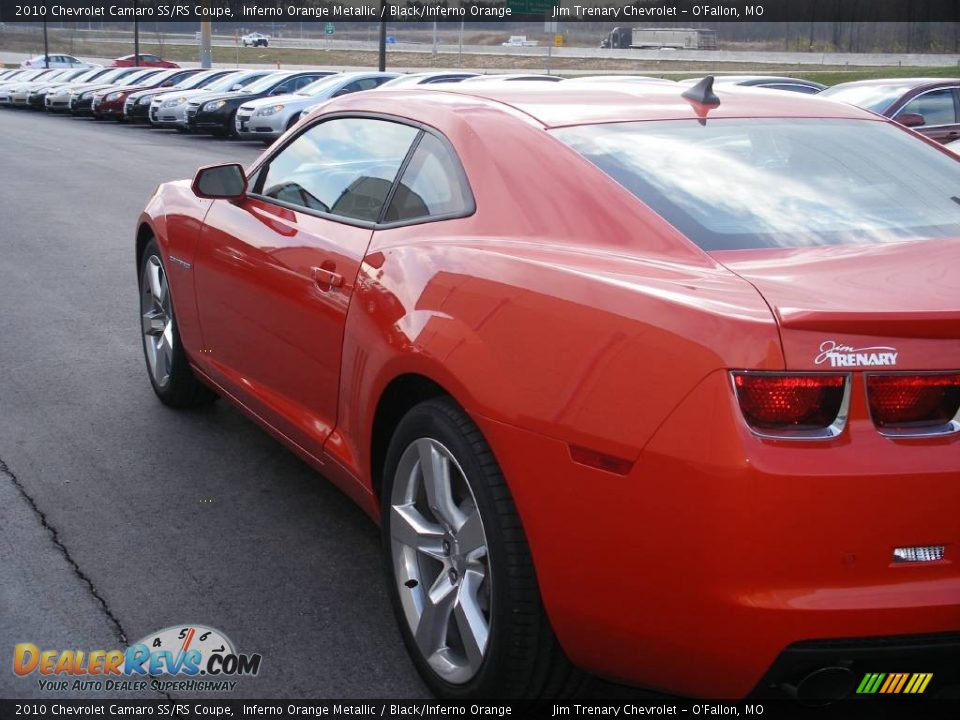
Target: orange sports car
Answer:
pixel 649 382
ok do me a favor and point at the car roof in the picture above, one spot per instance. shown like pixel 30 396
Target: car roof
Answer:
pixel 761 78
pixel 553 105
pixel 513 77
pixel 900 82
pixel 613 77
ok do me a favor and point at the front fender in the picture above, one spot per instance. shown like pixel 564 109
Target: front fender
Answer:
pixel 173 217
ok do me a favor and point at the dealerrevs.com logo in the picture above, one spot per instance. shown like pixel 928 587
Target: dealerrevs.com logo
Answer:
pixel 181 657
pixel 848 356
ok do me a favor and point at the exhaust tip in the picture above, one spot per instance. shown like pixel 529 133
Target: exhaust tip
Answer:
pixel 822 686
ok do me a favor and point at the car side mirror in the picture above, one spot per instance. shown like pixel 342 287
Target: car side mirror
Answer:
pixel 168 83
pixel 278 91
pixel 341 92
pixel 220 182
pixel 911 119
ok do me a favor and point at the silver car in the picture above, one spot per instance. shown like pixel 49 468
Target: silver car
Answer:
pixel 268 118
pixel 169 110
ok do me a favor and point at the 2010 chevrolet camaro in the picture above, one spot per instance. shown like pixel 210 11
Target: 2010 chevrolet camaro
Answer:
pixel 650 382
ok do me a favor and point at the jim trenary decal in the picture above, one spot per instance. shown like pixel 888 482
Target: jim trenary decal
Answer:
pixel 198 657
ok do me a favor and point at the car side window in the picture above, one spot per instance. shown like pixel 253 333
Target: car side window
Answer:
pixel 284 88
pixel 364 84
pixel 344 166
pixel 310 79
pixel 432 185
pixel 936 106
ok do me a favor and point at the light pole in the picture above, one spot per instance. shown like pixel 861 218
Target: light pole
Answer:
pixel 382 62
pixel 136 36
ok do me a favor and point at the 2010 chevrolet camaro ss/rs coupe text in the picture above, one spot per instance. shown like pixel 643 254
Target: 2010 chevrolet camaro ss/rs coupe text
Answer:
pixel 647 382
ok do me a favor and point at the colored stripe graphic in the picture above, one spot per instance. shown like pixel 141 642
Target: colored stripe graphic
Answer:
pixel 894 683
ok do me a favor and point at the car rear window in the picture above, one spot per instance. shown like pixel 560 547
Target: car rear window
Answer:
pixel 871 97
pixel 746 183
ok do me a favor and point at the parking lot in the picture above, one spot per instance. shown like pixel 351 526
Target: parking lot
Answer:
pixel 122 516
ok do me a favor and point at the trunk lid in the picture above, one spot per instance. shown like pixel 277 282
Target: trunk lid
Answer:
pixel 868 307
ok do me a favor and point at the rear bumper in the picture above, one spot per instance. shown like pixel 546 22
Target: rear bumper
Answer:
pixel 894 659
pixel 718 550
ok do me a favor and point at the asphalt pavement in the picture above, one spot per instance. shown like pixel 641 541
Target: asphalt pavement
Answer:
pixel 119 516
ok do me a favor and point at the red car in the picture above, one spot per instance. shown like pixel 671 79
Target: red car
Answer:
pixel 109 102
pixel 931 106
pixel 638 381
pixel 146 60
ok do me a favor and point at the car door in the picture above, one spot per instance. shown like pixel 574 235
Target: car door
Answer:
pixel 940 109
pixel 275 272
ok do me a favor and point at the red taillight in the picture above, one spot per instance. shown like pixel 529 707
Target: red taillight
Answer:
pixel 792 405
pixel 914 402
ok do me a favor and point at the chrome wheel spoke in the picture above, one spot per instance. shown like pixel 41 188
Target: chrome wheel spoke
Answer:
pixel 435 468
pixel 155 277
pixel 154 322
pixel 409 527
pixel 164 360
pixel 157 321
pixel 168 334
pixel 473 626
pixel 470 536
pixel 431 631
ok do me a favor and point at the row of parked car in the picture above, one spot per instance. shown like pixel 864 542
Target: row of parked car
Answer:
pixel 256 104
pixel 262 104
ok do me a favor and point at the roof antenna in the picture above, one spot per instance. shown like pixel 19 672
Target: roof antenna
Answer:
pixel 702 92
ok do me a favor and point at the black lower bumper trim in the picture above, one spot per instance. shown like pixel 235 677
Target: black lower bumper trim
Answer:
pixel 937 654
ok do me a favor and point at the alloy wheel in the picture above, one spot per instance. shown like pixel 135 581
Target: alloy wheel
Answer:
pixel 157 320
pixel 440 560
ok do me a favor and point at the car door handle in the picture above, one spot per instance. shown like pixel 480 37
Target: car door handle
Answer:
pixel 326 278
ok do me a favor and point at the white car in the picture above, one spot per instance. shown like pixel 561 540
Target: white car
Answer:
pixel 512 77
pixel 270 117
pixel 622 79
pixel 169 110
pixel 255 39
pixel 11 89
pixel 434 77
pixel 954 146
pixel 56 62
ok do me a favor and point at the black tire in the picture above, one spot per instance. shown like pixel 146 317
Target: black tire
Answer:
pixel 523 658
pixel 182 389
